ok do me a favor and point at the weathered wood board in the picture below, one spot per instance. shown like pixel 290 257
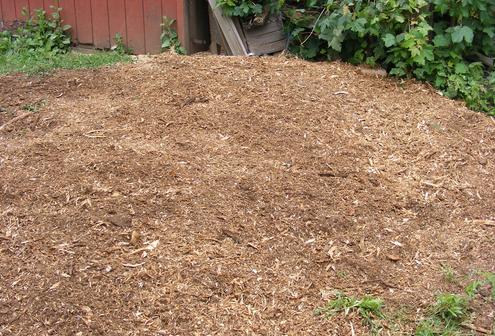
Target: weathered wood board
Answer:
pixel 229 30
pixel 266 39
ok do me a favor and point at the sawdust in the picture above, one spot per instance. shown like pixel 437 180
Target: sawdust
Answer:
pixel 230 196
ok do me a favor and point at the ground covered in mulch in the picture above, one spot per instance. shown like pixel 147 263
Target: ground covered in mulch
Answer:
pixel 233 196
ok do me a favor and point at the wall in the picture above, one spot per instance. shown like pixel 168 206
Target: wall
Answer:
pixel 95 22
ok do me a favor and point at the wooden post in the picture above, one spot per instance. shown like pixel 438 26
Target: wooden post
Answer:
pixel 229 31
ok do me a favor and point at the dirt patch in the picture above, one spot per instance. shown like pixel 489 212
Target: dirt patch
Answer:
pixel 210 195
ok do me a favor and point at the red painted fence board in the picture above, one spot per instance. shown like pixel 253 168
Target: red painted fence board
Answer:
pixel 84 22
pixel 8 8
pixel 135 25
pixel 20 5
pixel 69 15
pixel 35 4
pixel 101 30
pixel 152 25
pixel 96 22
pixel 116 20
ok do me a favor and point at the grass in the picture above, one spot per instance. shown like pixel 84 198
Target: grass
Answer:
pixel 368 308
pixel 445 317
pixel 39 63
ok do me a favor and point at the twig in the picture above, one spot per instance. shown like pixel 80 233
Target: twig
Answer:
pixel 352 329
pixel 475 328
pixel 314 26
pixel 133 265
pixel 95 134
pixel 11 121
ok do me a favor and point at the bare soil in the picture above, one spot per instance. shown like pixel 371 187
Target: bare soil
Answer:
pixel 231 196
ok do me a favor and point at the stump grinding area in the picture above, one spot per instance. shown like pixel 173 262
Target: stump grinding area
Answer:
pixel 231 196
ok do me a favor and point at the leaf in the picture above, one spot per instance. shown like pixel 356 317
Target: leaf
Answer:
pixel 389 40
pixel 461 68
pixel 441 41
pixel 358 25
pixel 461 33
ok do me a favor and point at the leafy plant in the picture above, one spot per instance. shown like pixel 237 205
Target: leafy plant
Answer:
pixel 42 43
pixel 446 316
pixel 39 33
pixel 120 47
pixel 169 37
pixel 240 8
pixel 369 308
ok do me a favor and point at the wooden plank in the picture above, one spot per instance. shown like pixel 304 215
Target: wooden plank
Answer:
pixel 84 22
pixel 50 5
pixel 69 16
pixel 135 26
pixel 101 29
pixel 20 6
pixel 8 8
pixel 182 22
pixel 117 20
pixel 268 48
pixel 152 25
pixel 1 15
pixel 266 38
pixel 34 5
pixel 229 31
pixel 169 9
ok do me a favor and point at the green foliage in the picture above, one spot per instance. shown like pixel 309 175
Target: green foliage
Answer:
pixel 120 47
pixel 39 33
pixel 41 63
pixel 485 279
pixel 169 37
pixel 369 308
pixel 446 316
pixel 432 40
pixel 240 8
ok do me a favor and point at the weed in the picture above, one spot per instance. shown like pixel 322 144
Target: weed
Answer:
pixel 369 309
pixel 472 288
pixel 451 308
pixel 120 47
pixel 489 278
pixel 446 316
pixel 169 37
pixel 34 107
pixel 41 44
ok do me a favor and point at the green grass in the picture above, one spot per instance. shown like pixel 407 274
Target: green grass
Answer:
pixel 39 63
pixel 446 316
pixel 368 308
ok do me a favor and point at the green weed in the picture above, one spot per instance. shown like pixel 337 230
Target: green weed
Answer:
pixel 42 44
pixel 368 308
pixel 169 37
pixel 120 47
pixel 445 316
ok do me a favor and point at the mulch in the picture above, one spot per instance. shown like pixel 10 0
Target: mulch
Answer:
pixel 232 196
